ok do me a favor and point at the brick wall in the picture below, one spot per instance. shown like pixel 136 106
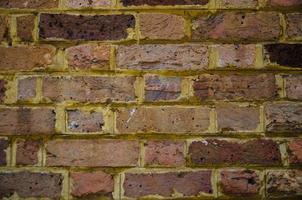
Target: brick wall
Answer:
pixel 125 99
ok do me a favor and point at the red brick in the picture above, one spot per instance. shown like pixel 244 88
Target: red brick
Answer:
pixel 237 26
pixel 284 117
pixel 284 183
pixel 164 153
pixel 240 183
pixel 89 56
pixel 161 26
pixel 85 184
pixel 31 184
pixel 160 88
pixel 24 58
pixel 4 28
pixel 91 89
pixel 235 87
pixel 85 121
pixel 27 152
pixel 178 57
pixel 285 3
pixel 295 151
pixel 234 152
pixel 237 118
pixel 25 27
pixel 4 144
pixel 92 153
pixel 74 27
pixel 167 184
pixel 163 3
pixel 87 4
pixel 27 88
pixel 27 121
pixel 294 25
pixel 293 86
pixel 238 3
pixel 2 90
pixel 239 56
pixel 29 4
pixel 163 120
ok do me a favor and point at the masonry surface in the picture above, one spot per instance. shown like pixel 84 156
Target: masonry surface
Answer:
pixel 150 99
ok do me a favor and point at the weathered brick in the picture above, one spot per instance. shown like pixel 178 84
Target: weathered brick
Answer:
pixel 85 184
pixel 161 26
pixel 237 26
pixel 4 28
pixel 26 57
pixel 235 87
pixel 27 152
pixel 167 184
pixel 89 56
pixel 2 90
pixel 92 153
pixel 87 3
pixel 284 183
pixel 237 118
pixel 29 4
pixel 240 182
pixel 163 119
pixel 235 152
pixel 164 153
pixel 3 150
pixel 74 27
pixel 295 151
pixel 31 184
pixel 85 121
pixel 25 27
pixel 160 88
pixel 238 3
pixel 293 86
pixel 241 56
pixel 284 117
pixel 27 88
pixel 91 89
pixel 288 55
pixel 294 25
pixel 285 3
pixel 164 3
pixel 27 121
pixel 176 57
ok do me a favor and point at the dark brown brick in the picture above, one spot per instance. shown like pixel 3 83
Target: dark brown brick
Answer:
pixel 25 27
pixel 4 28
pixel 3 150
pixel 294 25
pixel 2 90
pixel 163 3
pixel 288 55
pixel 186 183
pixel 28 4
pixel 234 152
pixel 31 184
pixel 27 152
pixel 74 27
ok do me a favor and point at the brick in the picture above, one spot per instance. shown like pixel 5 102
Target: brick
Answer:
pixel 161 26
pixel 4 28
pixel 29 4
pixel 294 25
pixel 238 3
pixel 163 3
pixel 162 120
pixel 293 86
pixel 295 151
pixel 25 27
pixel 284 117
pixel 87 4
pixel 26 58
pixel 91 89
pixel 240 182
pixel 74 27
pixel 164 153
pixel 85 184
pixel 288 55
pixel 92 153
pixel 85 121
pixel 237 26
pixel 27 88
pixel 167 184
pixel 27 152
pixel 178 57
pixel 282 183
pixel 159 88
pixel 285 3
pixel 239 56
pixel 31 184
pixel 234 152
pixel 27 121
pixel 235 87
pixel 237 118
pixel 89 56
pixel 2 90
pixel 4 144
